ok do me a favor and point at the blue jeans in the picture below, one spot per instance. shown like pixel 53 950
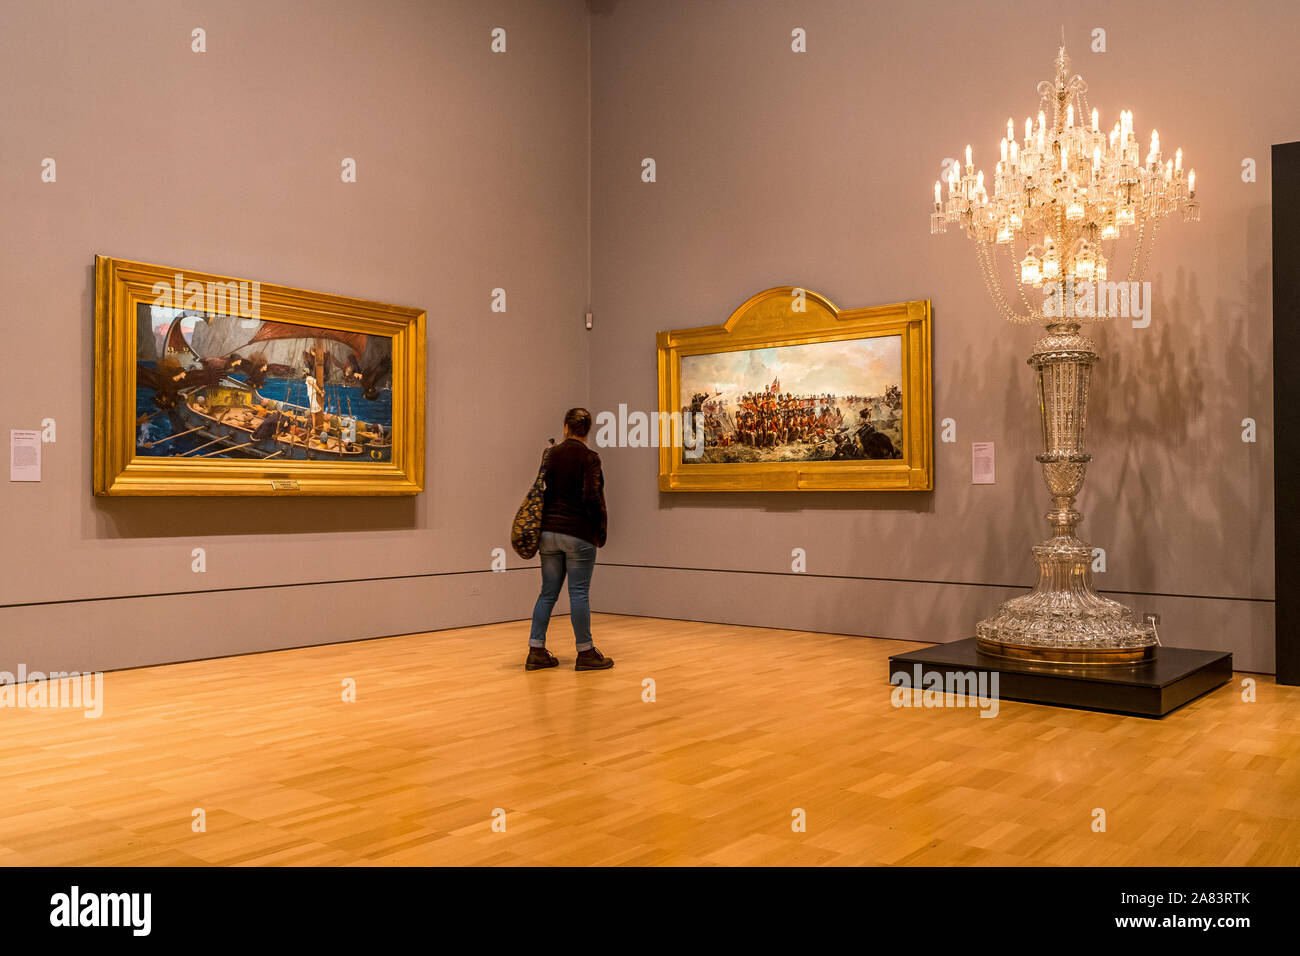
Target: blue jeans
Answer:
pixel 563 553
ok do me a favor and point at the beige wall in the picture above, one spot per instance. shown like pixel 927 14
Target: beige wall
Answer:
pixel 816 170
pixel 472 175
pixel 773 168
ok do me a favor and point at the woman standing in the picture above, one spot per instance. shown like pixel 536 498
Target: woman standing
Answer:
pixel 573 527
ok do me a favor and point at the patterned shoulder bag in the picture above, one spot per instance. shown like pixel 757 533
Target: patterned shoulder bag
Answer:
pixel 526 532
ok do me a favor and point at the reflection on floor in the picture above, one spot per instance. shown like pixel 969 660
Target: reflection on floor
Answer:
pixel 747 727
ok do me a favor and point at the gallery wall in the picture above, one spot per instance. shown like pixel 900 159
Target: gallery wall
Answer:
pixel 522 170
pixel 471 176
pixel 816 169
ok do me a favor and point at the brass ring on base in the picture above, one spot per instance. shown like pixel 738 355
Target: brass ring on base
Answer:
pixel 1091 656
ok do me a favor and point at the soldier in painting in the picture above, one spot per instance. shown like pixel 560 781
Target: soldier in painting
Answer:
pixel 874 444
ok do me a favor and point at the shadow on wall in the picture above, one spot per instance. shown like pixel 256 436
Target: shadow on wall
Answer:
pixel 786 501
pixel 1005 559
pixel 1169 420
pixel 189 517
pixel 1146 402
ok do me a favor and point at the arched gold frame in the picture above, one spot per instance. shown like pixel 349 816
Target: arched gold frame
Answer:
pixel 770 319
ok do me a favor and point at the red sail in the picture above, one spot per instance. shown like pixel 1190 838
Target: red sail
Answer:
pixel 281 330
pixel 175 343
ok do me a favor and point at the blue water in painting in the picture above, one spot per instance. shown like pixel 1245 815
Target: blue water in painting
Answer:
pixel 338 397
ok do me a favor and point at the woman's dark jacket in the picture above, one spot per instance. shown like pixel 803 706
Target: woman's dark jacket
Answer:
pixel 574 501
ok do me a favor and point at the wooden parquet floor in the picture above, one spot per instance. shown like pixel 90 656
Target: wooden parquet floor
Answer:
pixel 748 725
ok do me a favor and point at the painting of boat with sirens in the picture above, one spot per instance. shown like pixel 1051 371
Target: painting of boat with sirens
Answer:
pixel 210 385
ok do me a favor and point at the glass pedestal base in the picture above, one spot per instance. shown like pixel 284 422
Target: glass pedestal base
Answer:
pixel 1063 620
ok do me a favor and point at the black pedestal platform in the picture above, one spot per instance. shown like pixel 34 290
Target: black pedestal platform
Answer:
pixel 1153 689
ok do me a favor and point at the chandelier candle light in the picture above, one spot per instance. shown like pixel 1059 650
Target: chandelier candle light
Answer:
pixel 1067 194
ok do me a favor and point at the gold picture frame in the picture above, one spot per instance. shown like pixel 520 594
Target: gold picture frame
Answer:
pixel 349 456
pixel 791 316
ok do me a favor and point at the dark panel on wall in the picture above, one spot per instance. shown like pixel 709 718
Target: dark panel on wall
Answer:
pixel 1286 401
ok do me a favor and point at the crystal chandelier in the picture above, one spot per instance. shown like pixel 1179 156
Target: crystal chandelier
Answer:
pixel 1066 195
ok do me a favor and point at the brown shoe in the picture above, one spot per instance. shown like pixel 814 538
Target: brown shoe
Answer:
pixel 593 660
pixel 538 658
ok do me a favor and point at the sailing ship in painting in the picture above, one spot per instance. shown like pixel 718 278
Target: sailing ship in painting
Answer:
pixel 221 386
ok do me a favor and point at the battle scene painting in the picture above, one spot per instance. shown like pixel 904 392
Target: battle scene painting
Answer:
pixel 825 401
pixel 211 385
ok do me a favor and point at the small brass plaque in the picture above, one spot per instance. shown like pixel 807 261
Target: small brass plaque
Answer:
pixel 284 484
